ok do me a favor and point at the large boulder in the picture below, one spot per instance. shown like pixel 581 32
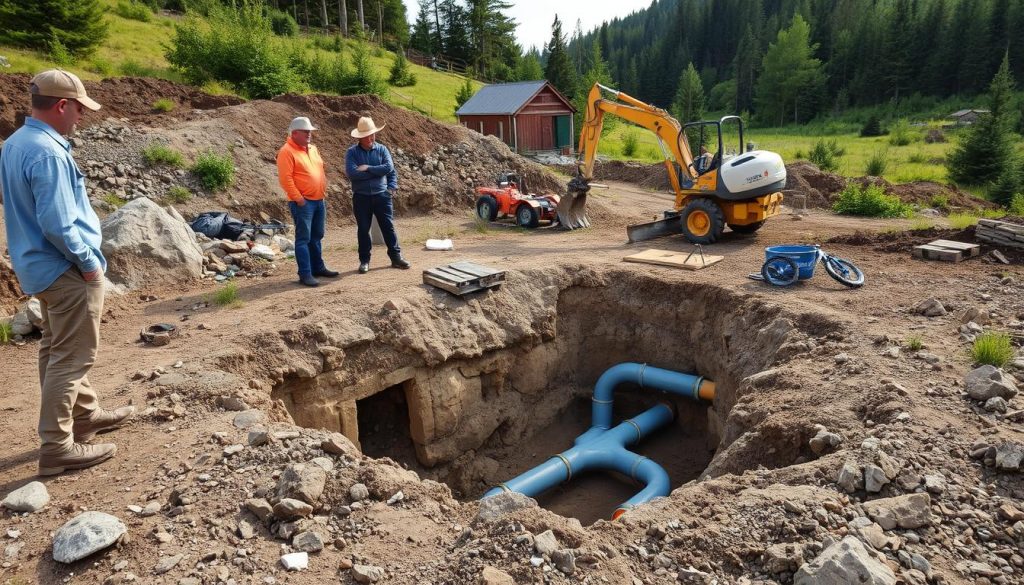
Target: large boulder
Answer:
pixel 145 245
pixel 846 561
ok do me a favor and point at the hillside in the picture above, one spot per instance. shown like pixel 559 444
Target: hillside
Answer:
pixel 136 49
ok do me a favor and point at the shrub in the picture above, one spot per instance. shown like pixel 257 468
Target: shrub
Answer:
pixel 159 154
pixel 163 105
pixel 133 10
pixel 826 155
pixel 934 136
pixel 178 194
pixel 113 200
pixel 873 127
pixel 878 162
pixel 915 343
pixel 215 171
pixel 60 54
pixel 78 25
pixel 921 225
pixel 238 47
pixel 940 202
pixel 330 43
pixel 917 158
pixel 629 143
pixel 871 202
pixel 465 92
pixel 283 24
pixel 364 77
pixel 6 331
pixel 400 74
pixel 901 134
pixel 227 296
pixel 992 348
pixel 1006 186
pixel 1016 206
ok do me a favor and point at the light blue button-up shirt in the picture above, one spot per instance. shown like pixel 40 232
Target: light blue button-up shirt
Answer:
pixel 50 224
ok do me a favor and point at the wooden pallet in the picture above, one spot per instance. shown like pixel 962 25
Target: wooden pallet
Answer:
pixel 946 251
pixel 460 278
pixel 683 260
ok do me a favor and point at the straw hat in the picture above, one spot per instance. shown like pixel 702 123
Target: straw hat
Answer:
pixel 365 127
pixel 301 123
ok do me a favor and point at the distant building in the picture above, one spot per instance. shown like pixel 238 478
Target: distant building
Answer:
pixel 526 115
pixel 967 117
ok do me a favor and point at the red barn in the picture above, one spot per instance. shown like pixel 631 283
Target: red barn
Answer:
pixel 526 115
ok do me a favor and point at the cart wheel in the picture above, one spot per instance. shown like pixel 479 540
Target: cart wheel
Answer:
pixel 780 271
pixel 487 208
pixel 527 216
pixel 844 271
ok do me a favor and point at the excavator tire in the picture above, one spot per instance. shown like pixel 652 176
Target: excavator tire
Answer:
pixel 746 229
pixel 487 208
pixel 527 216
pixel 703 221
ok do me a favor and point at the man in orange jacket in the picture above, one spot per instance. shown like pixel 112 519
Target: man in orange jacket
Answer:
pixel 300 171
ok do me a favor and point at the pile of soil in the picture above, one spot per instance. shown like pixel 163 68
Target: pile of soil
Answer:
pixel 122 97
pixel 817 188
pixel 903 241
pixel 9 289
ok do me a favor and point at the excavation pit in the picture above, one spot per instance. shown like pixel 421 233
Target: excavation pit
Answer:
pixel 481 417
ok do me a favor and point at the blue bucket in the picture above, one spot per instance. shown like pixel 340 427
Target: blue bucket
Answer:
pixel 806 257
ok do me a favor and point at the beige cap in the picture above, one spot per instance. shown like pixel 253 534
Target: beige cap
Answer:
pixel 62 84
pixel 301 123
pixel 365 127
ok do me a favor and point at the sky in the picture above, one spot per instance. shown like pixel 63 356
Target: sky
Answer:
pixel 534 17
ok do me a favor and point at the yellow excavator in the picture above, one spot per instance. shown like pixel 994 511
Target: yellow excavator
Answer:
pixel 736 189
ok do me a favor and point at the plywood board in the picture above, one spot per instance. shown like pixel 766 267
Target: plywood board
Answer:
pixel 674 259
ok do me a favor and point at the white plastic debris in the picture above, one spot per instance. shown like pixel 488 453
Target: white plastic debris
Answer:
pixel 262 251
pixel 295 561
pixel 445 244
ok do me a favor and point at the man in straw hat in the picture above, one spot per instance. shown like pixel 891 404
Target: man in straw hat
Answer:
pixel 374 182
pixel 54 238
pixel 300 171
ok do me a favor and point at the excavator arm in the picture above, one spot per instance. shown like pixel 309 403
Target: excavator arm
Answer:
pixel 671 139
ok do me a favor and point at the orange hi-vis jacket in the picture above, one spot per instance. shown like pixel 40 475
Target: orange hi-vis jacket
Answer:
pixel 301 172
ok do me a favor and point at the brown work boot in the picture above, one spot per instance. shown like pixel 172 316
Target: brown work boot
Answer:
pixel 76 457
pixel 101 421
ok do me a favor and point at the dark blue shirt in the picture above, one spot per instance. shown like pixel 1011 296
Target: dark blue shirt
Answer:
pixel 379 177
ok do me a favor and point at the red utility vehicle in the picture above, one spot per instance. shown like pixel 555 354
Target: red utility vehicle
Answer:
pixel 510 198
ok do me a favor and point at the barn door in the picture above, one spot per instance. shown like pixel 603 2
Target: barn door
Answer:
pixel 547 133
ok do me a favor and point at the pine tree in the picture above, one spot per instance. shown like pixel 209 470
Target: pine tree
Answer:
pixel 747 58
pixel 985 150
pixel 78 25
pixel 422 38
pixel 465 92
pixel 790 76
pixel 688 105
pixel 598 73
pixel 492 37
pixel 559 70
pixel 528 68
pixel 456 30
pixel 898 50
pixel 400 76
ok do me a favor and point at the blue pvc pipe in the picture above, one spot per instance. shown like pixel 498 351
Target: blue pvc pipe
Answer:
pixel 601 447
pixel 643 375
pixel 607 451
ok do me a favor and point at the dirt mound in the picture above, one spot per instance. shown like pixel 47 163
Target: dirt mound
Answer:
pixel 817 188
pixel 650 176
pixel 9 289
pixel 122 97
pixel 927 193
pixel 903 241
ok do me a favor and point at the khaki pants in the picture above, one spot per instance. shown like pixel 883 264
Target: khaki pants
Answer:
pixel 71 310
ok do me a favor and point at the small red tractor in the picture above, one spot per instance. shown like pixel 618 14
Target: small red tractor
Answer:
pixel 509 198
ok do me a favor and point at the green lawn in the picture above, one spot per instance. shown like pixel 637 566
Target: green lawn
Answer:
pixel 917 161
pixel 137 48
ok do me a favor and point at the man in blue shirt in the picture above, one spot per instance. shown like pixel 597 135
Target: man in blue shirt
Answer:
pixel 53 236
pixel 374 182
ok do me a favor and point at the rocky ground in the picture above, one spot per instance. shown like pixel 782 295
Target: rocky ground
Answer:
pixel 852 439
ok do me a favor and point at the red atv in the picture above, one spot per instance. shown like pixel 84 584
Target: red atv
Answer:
pixel 508 200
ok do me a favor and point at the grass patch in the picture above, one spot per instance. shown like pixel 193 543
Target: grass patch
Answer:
pixel 480 226
pixel 215 171
pixel 163 105
pixel 178 194
pixel 113 200
pixel 6 332
pixel 133 10
pixel 870 202
pixel 161 154
pixel 227 296
pixel 992 348
pixel 921 225
pixel 877 163
pixel 915 343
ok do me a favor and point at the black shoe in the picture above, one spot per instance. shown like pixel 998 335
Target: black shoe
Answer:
pixel 364 268
pixel 400 263
pixel 309 281
pixel 328 273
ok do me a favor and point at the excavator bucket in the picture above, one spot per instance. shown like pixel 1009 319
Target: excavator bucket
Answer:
pixel 572 209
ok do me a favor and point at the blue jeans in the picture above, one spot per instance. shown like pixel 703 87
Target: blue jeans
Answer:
pixel 365 207
pixel 309 230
